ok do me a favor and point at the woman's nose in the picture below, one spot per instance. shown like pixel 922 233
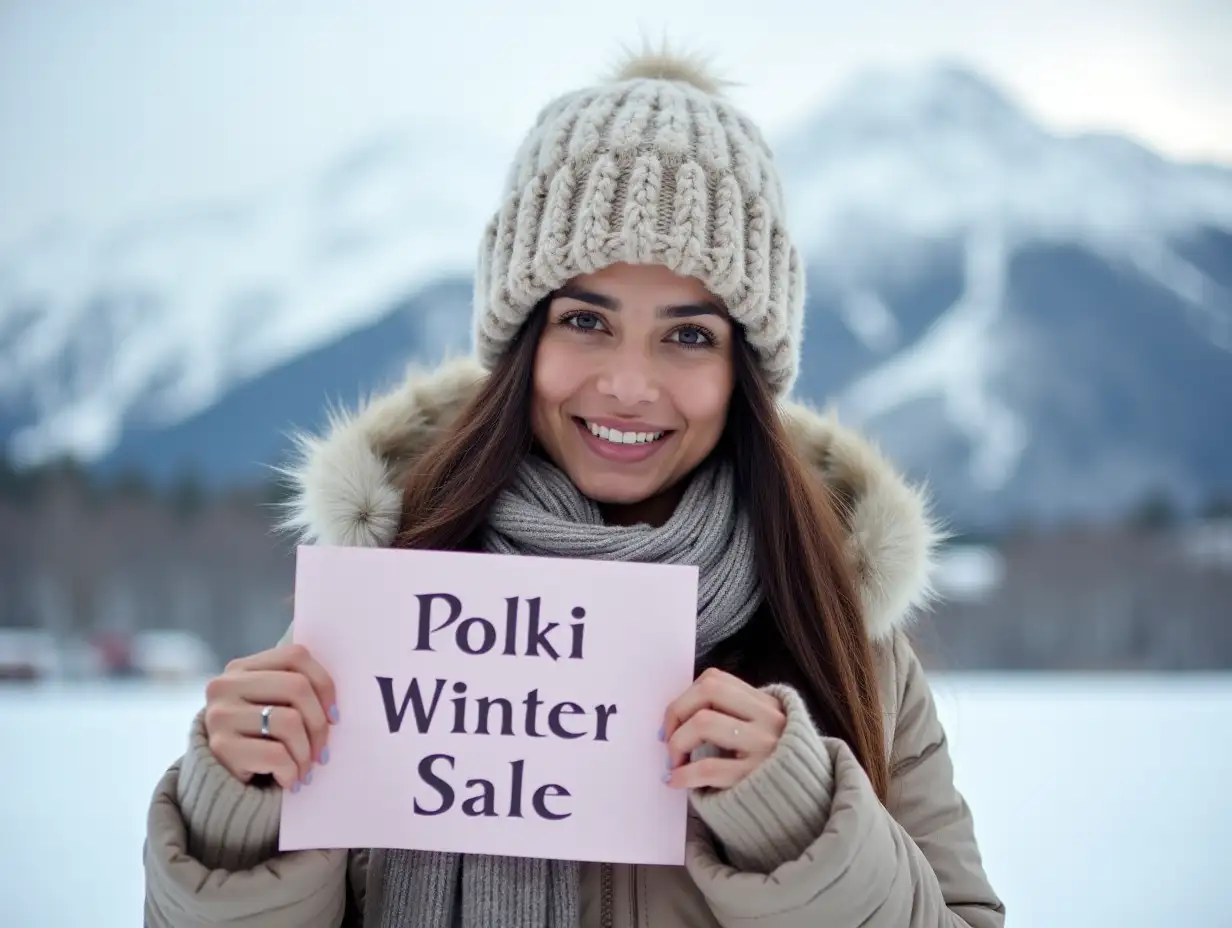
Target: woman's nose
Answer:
pixel 630 382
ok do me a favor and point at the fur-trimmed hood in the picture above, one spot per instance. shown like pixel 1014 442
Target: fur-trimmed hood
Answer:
pixel 345 484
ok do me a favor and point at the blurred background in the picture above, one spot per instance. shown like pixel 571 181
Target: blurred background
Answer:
pixel 219 220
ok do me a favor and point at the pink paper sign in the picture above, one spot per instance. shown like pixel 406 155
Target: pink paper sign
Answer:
pixel 494 705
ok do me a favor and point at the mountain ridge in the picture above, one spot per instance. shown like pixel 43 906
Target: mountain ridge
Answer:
pixel 972 276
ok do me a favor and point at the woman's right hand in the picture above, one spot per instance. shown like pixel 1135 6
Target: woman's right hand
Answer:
pixel 302 696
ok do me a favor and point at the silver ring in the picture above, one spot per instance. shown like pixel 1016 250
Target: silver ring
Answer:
pixel 265 721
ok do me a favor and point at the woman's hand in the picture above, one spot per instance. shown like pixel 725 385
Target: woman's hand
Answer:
pixel 302 696
pixel 724 711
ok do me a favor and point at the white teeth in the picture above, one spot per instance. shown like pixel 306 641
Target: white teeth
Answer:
pixel 617 437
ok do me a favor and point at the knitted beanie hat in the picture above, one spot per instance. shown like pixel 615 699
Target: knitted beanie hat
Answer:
pixel 654 167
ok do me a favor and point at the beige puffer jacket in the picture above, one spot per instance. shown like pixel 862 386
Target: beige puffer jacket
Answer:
pixel 803 841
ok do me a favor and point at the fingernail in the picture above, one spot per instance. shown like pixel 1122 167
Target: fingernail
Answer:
pixel 662 733
pixel 325 755
pixel 667 778
pixel 333 713
pixel 307 777
pixel 669 762
pixel 295 788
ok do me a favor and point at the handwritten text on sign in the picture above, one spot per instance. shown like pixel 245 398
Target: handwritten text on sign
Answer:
pixel 490 704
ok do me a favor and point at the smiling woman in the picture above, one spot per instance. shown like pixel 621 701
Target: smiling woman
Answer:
pixel 638 317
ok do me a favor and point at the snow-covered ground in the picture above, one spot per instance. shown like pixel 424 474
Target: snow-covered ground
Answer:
pixel 1098 801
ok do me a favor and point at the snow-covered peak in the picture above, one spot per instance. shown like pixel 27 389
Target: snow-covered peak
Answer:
pixel 160 317
pixel 924 99
pixel 903 161
pixel 934 153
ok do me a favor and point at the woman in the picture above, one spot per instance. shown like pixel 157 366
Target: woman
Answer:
pixel 638 322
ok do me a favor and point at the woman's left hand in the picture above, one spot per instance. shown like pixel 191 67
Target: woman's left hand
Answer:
pixel 724 711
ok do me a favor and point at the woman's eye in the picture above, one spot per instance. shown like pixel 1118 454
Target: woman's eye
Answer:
pixel 691 336
pixel 587 321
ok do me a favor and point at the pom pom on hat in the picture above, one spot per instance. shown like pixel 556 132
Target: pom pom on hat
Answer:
pixel 667 65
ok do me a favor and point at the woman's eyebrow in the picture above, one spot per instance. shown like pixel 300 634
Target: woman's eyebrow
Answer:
pixel 686 310
pixel 674 311
pixel 588 296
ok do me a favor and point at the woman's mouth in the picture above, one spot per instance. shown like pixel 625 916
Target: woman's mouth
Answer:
pixel 617 437
pixel 624 446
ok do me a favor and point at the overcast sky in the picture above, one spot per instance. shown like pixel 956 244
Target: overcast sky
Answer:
pixel 112 110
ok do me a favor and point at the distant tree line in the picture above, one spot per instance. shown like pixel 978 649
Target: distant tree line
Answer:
pixel 189 494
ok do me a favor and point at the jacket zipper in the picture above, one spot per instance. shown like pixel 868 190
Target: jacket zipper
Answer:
pixel 607 892
pixel 605 896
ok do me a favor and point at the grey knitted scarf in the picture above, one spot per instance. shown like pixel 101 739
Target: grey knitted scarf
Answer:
pixel 543 514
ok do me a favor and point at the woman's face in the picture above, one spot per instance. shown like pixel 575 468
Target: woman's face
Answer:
pixel 633 376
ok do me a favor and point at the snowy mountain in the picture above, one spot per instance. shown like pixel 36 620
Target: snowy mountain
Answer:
pixel 1039 325
pixel 153 323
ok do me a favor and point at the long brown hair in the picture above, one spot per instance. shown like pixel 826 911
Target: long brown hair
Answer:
pixel 808 579
pixel 809 632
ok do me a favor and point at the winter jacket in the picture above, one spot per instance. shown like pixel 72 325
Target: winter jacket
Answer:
pixel 802 841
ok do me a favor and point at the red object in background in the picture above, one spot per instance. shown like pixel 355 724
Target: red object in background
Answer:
pixel 115 653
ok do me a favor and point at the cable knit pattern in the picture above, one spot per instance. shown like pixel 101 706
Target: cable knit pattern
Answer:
pixel 647 169
pixel 231 826
pixel 772 815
